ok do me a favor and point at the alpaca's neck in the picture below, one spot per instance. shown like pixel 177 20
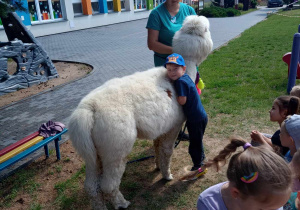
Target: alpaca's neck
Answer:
pixel 191 69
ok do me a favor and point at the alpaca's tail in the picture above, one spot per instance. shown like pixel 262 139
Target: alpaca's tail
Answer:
pixel 80 128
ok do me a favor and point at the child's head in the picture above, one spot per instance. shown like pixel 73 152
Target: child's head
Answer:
pixel 175 66
pixel 295 165
pixel 295 91
pixel 257 174
pixel 290 132
pixel 284 106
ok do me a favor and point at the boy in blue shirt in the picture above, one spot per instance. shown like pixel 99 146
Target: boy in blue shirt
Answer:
pixel 194 111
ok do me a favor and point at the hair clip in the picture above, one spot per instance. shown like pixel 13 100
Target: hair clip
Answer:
pixel 246 145
pixel 251 178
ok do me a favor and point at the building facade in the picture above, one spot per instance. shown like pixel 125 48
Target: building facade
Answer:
pixel 45 17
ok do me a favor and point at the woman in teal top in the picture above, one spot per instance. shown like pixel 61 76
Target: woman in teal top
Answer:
pixel 163 22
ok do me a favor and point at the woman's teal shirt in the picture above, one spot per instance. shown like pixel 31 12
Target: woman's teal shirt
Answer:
pixel 161 20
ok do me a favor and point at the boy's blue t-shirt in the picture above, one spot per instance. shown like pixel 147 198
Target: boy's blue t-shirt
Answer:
pixel 193 108
pixel 160 20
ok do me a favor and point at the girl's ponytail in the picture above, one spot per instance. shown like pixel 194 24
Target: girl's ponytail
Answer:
pixel 223 155
pixel 294 106
pixel 255 170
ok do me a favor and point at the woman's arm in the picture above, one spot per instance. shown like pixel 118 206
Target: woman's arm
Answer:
pixel 155 45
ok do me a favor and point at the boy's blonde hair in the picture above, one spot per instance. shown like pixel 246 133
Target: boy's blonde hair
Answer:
pixel 295 91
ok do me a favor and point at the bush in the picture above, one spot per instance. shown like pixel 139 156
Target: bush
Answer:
pixel 227 3
pixel 232 12
pixel 253 3
pixel 214 11
pixel 240 6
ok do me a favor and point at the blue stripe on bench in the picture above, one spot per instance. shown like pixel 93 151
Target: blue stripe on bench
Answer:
pixel 43 143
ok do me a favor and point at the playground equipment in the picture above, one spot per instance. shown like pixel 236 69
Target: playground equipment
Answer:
pixel 292 59
pixel 33 64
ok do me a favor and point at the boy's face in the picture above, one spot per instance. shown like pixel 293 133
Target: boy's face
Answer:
pixel 175 71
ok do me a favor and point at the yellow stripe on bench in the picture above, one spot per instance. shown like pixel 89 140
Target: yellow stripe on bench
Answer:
pixel 21 148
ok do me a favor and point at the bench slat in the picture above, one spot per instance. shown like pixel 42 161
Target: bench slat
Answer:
pixel 18 143
pixel 21 148
pixel 30 150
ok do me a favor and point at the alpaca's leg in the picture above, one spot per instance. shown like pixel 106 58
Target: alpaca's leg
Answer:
pixel 113 165
pixel 110 180
pixel 156 149
pixel 166 146
pixel 92 184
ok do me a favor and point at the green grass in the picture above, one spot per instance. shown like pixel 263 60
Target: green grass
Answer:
pixel 244 77
pixel 22 182
pixel 248 11
pixel 68 196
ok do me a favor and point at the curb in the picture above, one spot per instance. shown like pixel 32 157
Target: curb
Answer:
pixel 54 88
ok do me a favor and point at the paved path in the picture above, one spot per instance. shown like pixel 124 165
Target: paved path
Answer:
pixel 114 51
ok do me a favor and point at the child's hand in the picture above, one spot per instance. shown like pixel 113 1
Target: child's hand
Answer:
pixel 257 136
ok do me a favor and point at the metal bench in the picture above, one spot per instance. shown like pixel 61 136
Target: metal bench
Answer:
pixel 26 146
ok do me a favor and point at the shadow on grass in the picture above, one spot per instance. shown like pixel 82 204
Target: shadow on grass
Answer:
pixel 142 184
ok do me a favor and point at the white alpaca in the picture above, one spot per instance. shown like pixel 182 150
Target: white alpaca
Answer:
pixel 107 121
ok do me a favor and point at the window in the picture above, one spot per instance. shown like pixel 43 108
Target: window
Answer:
pixel 122 4
pixel 44 10
pixel 110 5
pixel 139 4
pixel 77 8
pixel 95 6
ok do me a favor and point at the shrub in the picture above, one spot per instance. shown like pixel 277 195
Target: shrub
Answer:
pixel 227 3
pixel 214 11
pixel 253 3
pixel 240 6
pixel 232 12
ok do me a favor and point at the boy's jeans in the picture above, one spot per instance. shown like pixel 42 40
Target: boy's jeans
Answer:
pixel 196 150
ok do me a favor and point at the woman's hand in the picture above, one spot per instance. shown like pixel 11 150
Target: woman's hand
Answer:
pixel 155 45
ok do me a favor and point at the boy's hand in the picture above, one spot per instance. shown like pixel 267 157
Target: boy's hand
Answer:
pixel 181 100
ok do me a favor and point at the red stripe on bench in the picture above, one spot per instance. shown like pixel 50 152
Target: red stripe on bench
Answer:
pixel 18 143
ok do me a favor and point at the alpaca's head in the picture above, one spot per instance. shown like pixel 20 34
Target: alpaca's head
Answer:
pixel 195 25
pixel 193 40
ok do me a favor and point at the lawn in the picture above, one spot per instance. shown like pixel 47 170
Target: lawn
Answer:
pixel 242 79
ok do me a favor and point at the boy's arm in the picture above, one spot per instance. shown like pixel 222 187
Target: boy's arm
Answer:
pixel 181 89
pixel 181 100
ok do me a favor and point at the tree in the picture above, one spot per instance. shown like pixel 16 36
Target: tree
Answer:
pixel 7 6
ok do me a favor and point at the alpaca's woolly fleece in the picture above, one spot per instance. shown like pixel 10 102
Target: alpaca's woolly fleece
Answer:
pixel 106 123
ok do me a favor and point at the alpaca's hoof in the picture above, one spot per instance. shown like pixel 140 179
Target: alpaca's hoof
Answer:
pixel 169 178
pixel 123 205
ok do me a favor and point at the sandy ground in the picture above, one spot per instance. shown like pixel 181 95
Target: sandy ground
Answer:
pixel 67 72
pixel 70 160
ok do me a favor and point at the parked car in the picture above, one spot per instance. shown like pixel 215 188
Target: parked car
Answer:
pixel 275 3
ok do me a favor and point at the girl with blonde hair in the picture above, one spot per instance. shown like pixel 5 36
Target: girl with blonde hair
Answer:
pixel 258 179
